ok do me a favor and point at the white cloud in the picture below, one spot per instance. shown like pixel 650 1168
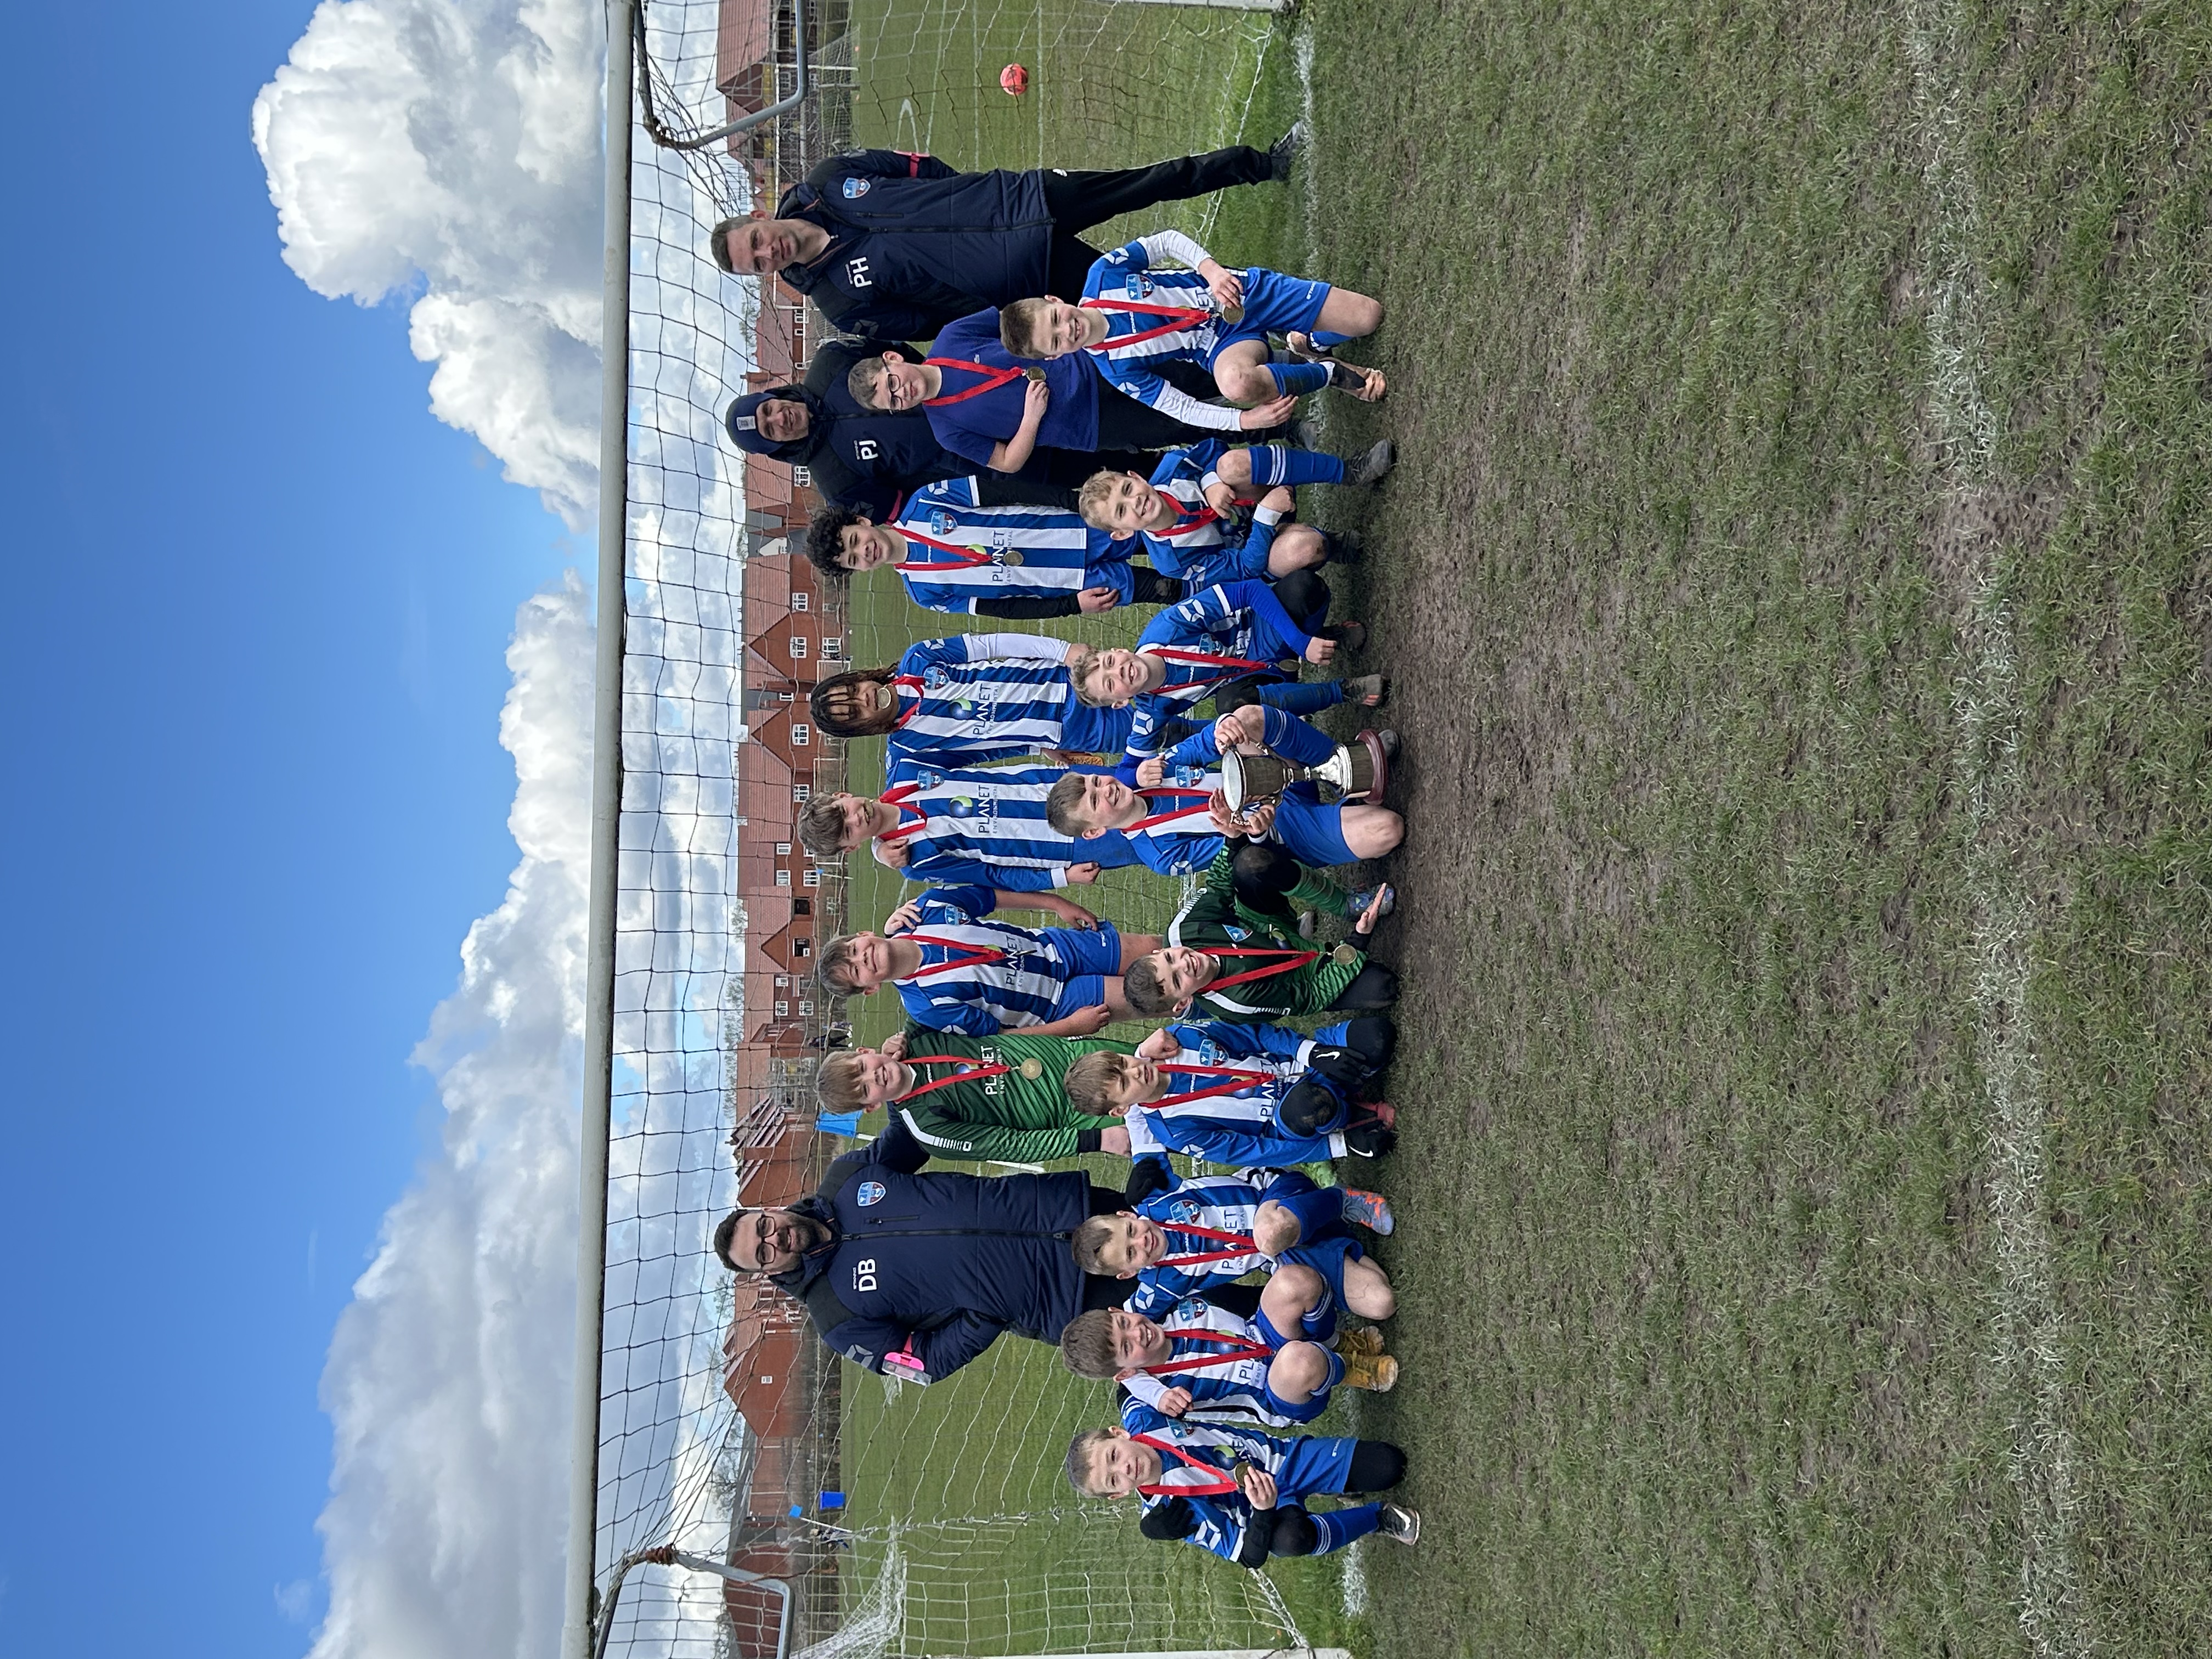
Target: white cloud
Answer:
pixel 449 150
pixel 447 1383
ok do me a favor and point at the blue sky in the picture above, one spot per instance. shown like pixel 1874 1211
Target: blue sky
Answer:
pixel 258 798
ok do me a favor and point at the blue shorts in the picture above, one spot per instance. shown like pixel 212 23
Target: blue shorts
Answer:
pixel 1314 1463
pixel 1310 831
pixel 1273 304
pixel 1315 1404
pixel 1091 955
pixel 1327 1257
pixel 1225 564
pixel 1114 573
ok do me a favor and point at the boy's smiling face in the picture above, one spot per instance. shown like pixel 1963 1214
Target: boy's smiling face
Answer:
pixel 1107 803
pixel 1184 972
pixel 864 546
pixel 1132 504
pixel 881 1079
pixel 1132 1244
pixel 1119 1466
pixel 1063 326
pixel 1139 1340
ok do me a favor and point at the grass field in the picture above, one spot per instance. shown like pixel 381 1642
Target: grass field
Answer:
pixel 1795 579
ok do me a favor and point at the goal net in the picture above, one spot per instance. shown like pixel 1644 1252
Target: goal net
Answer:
pixel 863 1518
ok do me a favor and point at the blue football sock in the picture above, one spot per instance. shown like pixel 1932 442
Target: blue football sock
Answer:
pixel 1279 464
pixel 1337 1528
pixel 1298 378
pixel 1325 340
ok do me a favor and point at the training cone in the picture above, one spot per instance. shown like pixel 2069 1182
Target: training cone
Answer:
pixel 1014 79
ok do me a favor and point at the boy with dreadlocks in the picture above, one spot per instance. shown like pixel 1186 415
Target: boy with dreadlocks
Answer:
pixel 1210 1229
pixel 1245 1094
pixel 1238 1491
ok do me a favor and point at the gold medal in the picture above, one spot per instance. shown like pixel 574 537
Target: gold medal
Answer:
pixel 1034 373
pixel 1010 555
pixel 1032 1068
pixel 1344 955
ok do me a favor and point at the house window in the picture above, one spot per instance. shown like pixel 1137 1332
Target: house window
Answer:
pixel 806 1008
pixel 832 647
pixel 799 645
pixel 813 877
pixel 801 792
pixel 783 878
pixel 783 849
pixel 783 982
pixel 798 601
pixel 802 907
pixel 799 947
pixel 782 1010
pixel 801 734
pixel 802 476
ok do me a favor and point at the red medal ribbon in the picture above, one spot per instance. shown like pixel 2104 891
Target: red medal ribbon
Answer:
pixel 899 797
pixel 974 1070
pixel 1302 957
pixel 1177 653
pixel 1204 795
pixel 1221 1486
pixel 1236 1079
pixel 968 955
pixel 962 556
pixel 1177 316
pixel 1243 1241
pixel 991 380
pixel 1187 520
pixel 1235 1348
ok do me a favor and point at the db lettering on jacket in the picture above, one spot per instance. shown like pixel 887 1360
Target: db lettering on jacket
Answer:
pixel 864 1273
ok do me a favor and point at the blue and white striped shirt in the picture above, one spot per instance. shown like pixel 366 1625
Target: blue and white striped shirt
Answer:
pixel 981 998
pixel 1130 275
pixel 1053 552
pixel 1222 1520
pixel 1236 1391
pixel 986 826
pixel 1225 1203
pixel 977 697
pixel 1243 621
pixel 1244 1127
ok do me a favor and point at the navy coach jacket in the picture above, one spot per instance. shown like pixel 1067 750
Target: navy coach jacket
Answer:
pixel 936 1265
pixel 914 244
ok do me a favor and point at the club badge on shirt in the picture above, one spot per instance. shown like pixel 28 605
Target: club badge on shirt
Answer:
pixel 942 523
pixel 1238 934
pixel 871 1192
pixel 1183 1209
pixel 855 189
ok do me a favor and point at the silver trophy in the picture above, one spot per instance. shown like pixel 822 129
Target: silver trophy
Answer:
pixel 1254 775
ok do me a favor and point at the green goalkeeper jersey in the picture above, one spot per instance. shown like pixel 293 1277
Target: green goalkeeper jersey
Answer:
pixel 1020 1115
pixel 1217 919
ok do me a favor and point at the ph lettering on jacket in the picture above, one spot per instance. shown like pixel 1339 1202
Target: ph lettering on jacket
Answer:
pixel 856 273
pixel 865 448
pixel 864 1273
